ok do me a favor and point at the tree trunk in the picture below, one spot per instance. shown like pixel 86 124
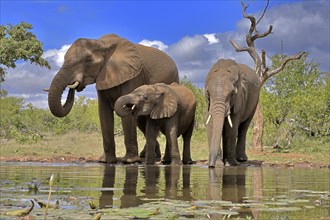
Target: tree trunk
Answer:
pixel 257 131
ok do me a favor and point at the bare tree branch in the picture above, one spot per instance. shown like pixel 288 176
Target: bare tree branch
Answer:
pixel 263 13
pixel 252 53
pixel 281 67
pixel 256 36
pixel 237 48
pixel 250 17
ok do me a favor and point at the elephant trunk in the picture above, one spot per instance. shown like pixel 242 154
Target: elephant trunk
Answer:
pixel 218 117
pixel 124 105
pixel 56 90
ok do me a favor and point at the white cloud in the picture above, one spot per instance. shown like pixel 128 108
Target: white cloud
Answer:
pixel 57 55
pixel 156 44
pixel 211 38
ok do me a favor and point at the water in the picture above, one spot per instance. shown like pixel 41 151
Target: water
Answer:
pixel 165 192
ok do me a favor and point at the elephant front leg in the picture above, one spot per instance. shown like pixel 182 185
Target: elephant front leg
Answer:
pixel 107 127
pixel 229 145
pixel 130 140
pixel 142 124
pixel 151 140
pixel 241 141
pixel 167 155
pixel 171 133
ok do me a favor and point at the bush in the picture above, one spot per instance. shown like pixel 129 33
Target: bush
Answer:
pixel 296 104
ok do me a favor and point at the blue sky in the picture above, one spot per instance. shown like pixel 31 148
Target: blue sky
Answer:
pixel 194 33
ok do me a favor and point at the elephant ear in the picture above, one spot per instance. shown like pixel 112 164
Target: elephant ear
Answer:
pixel 240 88
pixel 121 65
pixel 167 102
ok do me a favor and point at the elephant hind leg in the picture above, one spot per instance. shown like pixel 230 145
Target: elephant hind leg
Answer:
pixel 186 155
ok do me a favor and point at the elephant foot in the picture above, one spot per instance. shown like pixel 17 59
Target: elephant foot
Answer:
pixel 218 163
pixel 232 162
pixel 187 161
pixel 166 161
pixel 131 159
pixel 150 161
pixel 176 162
pixel 107 159
pixel 242 159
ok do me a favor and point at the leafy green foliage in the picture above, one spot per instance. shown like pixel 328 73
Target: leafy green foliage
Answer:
pixel 200 103
pixel 18 43
pixel 18 121
pixel 296 103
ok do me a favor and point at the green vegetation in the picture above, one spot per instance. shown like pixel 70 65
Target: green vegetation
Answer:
pixel 296 108
pixel 18 43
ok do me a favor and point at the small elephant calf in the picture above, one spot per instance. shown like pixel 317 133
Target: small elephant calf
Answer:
pixel 166 108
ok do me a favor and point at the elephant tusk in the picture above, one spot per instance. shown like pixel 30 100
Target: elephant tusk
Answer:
pixel 46 89
pixel 132 108
pixel 73 86
pixel 208 119
pixel 230 122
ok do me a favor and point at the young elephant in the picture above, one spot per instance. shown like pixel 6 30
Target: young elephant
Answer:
pixel 166 108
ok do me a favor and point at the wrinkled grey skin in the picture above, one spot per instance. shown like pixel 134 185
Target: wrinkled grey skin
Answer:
pixel 166 108
pixel 230 89
pixel 117 67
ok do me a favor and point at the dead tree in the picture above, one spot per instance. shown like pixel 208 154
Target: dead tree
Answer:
pixel 260 68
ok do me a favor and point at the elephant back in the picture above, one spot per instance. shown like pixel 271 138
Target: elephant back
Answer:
pixel 185 95
pixel 158 65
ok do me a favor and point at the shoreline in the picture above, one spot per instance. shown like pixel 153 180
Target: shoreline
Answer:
pixel 76 159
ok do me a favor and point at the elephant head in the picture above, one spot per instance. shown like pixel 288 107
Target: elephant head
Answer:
pixel 225 89
pixel 108 62
pixel 157 101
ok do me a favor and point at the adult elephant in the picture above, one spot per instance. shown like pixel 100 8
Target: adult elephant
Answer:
pixel 166 108
pixel 232 93
pixel 117 66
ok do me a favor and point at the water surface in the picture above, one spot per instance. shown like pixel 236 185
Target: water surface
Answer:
pixel 165 192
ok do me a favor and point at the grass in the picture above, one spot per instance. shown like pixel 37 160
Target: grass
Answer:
pixel 89 145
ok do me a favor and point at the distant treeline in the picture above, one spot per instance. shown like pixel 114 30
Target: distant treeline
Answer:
pixel 295 106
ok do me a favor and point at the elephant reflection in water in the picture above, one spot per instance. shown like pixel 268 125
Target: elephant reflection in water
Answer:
pixel 233 184
pixel 129 197
pixel 109 176
pixel 172 176
pixel 232 180
pixel 151 189
pixel 151 175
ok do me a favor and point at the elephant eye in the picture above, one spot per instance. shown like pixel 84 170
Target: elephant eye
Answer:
pixel 145 97
pixel 88 59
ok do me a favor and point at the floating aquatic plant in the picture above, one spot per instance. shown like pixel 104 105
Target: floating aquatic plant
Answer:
pixel 34 186
pixel 52 179
pixel 21 212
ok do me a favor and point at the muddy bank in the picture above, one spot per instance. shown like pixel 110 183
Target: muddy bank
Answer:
pixel 76 159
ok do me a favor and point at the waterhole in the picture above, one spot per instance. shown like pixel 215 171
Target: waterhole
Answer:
pixel 164 192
